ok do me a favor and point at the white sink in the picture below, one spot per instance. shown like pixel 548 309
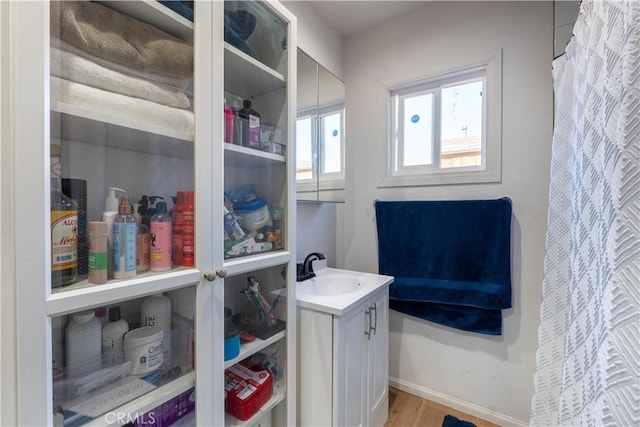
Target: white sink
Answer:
pixel 335 284
pixel 335 291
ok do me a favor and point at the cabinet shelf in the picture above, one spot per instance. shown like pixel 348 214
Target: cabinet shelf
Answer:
pixel 230 420
pixel 81 124
pixel 253 347
pixel 82 295
pixel 239 156
pixel 251 263
pixel 156 14
pixel 238 65
pixel 149 400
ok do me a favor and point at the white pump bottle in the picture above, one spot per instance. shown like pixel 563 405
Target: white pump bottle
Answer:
pixel 110 211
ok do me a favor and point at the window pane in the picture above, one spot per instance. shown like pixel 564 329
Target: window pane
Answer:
pixel 331 135
pixel 417 125
pixel 303 149
pixel 461 125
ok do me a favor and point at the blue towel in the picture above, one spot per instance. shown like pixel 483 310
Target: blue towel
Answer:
pixel 451 421
pixel 451 260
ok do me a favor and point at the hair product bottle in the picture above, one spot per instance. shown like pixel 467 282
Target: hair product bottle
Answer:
pixel 83 344
pixel 143 241
pixel 160 239
pixel 250 125
pixel 156 311
pixel 113 338
pixel 125 231
pixel 64 229
pixel 177 221
pixel 188 230
pixel 108 215
pixel 98 252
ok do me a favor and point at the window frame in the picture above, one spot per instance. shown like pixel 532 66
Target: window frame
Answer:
pixel 425 175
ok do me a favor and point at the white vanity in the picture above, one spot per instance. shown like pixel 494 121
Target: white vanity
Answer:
pixel 343 334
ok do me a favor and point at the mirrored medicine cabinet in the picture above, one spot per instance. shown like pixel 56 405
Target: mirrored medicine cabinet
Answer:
pixel 320 133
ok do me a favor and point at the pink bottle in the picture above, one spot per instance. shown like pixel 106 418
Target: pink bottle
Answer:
pixel 161 239
pixel 228 123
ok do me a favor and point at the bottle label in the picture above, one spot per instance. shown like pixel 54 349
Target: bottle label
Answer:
pixel 64 240
pixel 254 131
pixel 97 261
pixel 160 245
pixel 124 247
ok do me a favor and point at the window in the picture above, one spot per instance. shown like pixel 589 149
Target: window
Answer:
pixel 446 129
pixel 320 146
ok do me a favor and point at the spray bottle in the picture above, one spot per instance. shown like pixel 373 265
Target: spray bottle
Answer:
pixel 110 211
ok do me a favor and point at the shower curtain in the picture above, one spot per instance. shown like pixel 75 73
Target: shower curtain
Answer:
pixel 588 357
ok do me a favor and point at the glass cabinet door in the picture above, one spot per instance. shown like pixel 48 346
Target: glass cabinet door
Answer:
pixel 257 204
pixel 116 307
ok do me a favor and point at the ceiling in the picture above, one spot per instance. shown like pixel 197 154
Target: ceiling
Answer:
pixel 349 17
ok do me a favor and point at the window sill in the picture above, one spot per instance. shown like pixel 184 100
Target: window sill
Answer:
pixel 444 178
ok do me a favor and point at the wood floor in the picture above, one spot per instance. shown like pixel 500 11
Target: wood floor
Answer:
pixel 407 410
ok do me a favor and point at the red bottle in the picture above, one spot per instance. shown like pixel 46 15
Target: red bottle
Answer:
pixel 188 231
pixel 177 222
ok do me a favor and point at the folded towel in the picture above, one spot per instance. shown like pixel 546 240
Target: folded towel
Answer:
pixel 238 26
pixel 181 84
pixel 180 7
pixel 450 260
pixel 70 66
pixel 111 35
pixel 125 107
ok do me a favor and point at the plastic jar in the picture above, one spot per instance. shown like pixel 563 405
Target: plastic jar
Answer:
pixel 254 215
pixel 231 336
pixel 143 347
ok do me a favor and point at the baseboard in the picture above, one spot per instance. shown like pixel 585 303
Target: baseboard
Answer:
pixel 460 405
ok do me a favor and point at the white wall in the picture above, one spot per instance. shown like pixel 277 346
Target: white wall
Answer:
pixel 565 13
pixel 488 376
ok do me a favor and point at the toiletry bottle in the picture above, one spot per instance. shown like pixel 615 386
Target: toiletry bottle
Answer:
pixel 76 189
pixel 250 125
pixel 83 344
pixel 188 231
pixel 64 229
pixel 113 337
pixel 177 221
pixel 228 123
pixel 156 311
pixel 109 213
pixel 161 239
pixel 97 252
pixel 143 241
pixel 125 232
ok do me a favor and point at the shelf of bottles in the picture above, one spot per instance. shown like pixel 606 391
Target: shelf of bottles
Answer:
pixel 123 275
pixel 256 130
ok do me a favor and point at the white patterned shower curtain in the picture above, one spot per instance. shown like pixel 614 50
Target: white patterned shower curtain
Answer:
pixel 588 358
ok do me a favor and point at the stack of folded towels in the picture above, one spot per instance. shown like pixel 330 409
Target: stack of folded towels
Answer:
pixel 114 64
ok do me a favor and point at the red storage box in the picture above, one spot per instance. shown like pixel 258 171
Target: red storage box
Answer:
pixel 246 391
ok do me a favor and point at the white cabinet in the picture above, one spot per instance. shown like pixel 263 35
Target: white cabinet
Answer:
pixel 343 366
pixel 111 138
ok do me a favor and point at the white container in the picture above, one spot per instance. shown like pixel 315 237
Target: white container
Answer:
pixel 113 338
pixel 83 344
pixel 254 215
pixel 143 347
pixel 156 311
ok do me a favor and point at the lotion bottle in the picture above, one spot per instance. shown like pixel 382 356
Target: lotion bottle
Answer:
pixel 113 338
pixel 83 344
pixel 161 239
pixel 156 311
pixel 125 230
pixel 110 212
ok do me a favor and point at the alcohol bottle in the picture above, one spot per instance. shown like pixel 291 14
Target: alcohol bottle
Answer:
pixel 64 229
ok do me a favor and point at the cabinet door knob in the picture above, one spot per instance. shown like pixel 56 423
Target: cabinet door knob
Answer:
pixel 210 276
pixel 221 272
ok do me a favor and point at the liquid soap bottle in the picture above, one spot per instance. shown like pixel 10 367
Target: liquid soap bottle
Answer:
pixel 125 230
pixel 250 125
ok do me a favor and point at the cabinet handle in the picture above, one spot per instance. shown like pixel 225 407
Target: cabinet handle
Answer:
pixel 221 272
pixel 368 333
pixel 210 276
pixel 375 321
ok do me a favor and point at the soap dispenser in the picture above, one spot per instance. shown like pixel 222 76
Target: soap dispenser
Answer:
pixel 110 211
